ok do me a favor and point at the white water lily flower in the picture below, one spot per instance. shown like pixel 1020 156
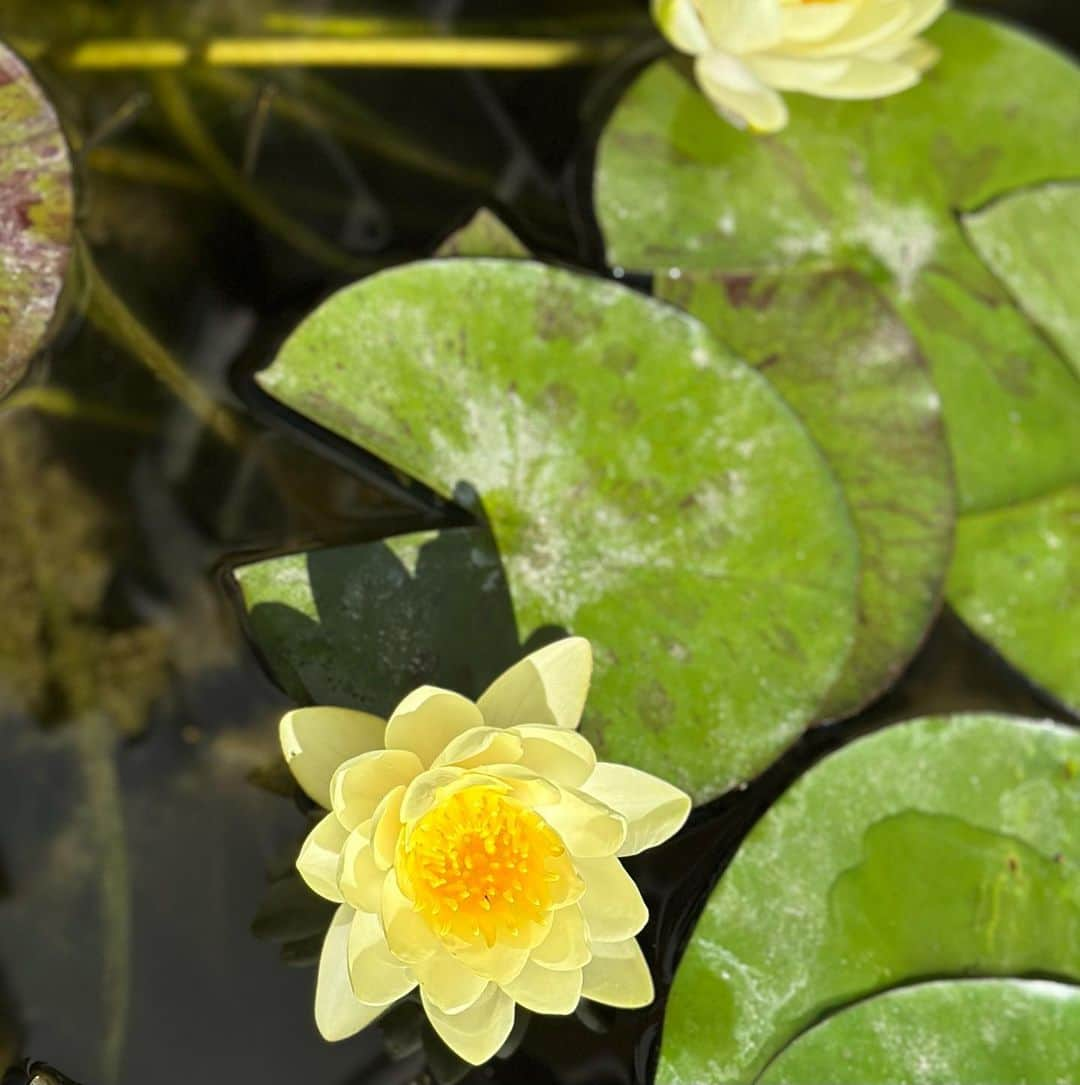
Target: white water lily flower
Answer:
pixel 473 850
pixel 748 50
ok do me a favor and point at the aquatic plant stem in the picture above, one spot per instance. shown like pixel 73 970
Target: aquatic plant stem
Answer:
pixel 177 107
pixel 323 106
pixel 96 739
pixel 76 674
pixel 108 313
pixel 164 54
pixel 371 26
pixel 65 404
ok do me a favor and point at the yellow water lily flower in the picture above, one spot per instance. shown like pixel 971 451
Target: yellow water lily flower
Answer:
pixel 748 50
pixel 473 850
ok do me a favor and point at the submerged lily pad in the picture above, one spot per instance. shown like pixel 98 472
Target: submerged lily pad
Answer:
pixel 36 214
pixel 845 362
pixel 975 1032
pixel 944 846
pixel 1031 241
pixel 876 186
pixel 1015 581
pixel 645 489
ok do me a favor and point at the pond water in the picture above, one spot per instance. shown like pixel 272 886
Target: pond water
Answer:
pixel 135 850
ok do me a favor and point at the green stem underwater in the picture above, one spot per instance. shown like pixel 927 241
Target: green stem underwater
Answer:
pixel 166 54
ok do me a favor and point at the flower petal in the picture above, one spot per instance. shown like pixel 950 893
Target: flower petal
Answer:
pixel 428 719
pixel 315 741
pixel 617 975
pixel 478 1032
pixel 567 945
pixel 377 976
pixel 742 26
pixel 338 1012
pixel 548 686
pixel 871 24
pixel 500 963
pixel 588 828
pixel 319 855
pixel 481 746
pixel 921 14
pixel 386 822
pixel 612 903
pixel 681 24
pixel 866 78
pixel 654 809
pixel 358 876
pixel 543 991
pixel 813 22
pixel 408 934
pixel 359 785
pixel 449 984
pixel 523 785
pixel 435 784
pixel 739 95
pixel 555 753
pixel 807 74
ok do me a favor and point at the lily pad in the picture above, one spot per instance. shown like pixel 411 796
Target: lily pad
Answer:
pixel 946 846
pixel 36 215
pixel 485 234
pixel 875 186
pixel 979 1032
pixel 1031 241
pixel 845 362
pixel 644 488
pixel 1015 581
pixel 361 626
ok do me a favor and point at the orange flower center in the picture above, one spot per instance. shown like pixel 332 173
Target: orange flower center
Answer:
pixel 480 865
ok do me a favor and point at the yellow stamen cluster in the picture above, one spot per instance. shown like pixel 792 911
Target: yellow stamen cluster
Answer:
pixel 479 865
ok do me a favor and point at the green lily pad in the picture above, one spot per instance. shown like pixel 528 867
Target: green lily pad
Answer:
pixel 944 846
pixel 645 489
pixel 1031 241
pixel 845 362
pixel 875 186
pixel 361 626
pixel 485 234
pixel 979 1032
pixel 36 215
pixel 1015 581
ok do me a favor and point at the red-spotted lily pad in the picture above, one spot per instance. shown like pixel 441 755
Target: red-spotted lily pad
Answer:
pixel 36 213
pixel 957 199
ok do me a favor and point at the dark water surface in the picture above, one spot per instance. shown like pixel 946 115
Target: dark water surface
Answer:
pixel 135 852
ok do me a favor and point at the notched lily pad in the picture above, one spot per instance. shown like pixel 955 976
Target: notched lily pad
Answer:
pixel 36 216
pixel 944 846
pixel 974 1032
pixel 644 489
pixel 845 362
